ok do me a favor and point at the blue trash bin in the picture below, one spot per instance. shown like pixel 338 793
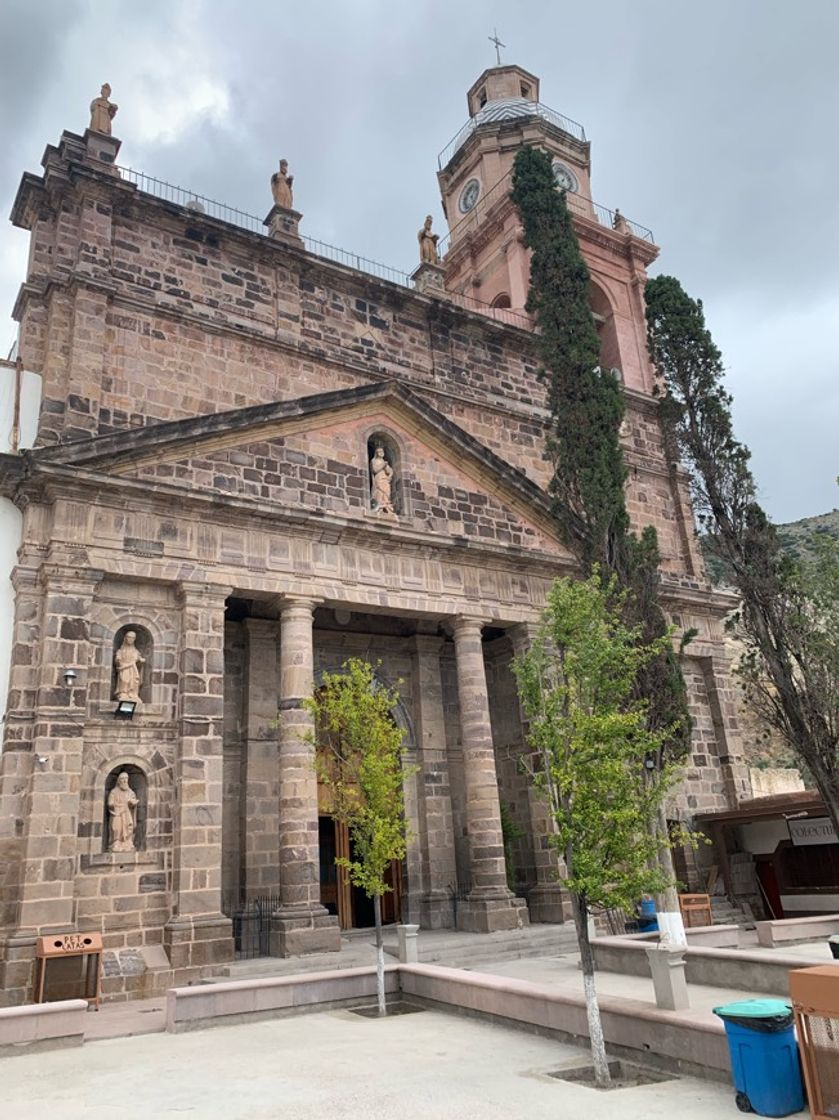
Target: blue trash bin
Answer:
pixel 764 1056
pixel 647 920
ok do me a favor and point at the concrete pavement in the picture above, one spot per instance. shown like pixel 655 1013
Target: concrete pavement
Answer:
pixel 427 1066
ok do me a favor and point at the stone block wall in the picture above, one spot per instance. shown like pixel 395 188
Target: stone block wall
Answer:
pixel 202 317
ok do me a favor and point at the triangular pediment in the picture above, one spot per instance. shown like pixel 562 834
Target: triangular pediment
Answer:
pixel 313 454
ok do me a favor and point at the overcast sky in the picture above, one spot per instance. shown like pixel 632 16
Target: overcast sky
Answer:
pixel 714 123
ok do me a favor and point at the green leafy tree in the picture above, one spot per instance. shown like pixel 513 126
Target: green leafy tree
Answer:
pixel 788 613
pixel 359 759
pixel 591 738
pixel 587 488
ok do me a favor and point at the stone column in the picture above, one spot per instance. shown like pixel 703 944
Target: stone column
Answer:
pixel 436 830
pixel 490 905
pixel 262 766
pixel 198 933
pixel 302 924
pixel 547 901
pixel 43 756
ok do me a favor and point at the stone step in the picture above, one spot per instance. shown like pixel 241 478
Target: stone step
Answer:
pixel 445 947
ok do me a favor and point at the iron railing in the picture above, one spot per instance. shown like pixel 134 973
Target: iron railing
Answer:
pixel 200 204
pixel 573 128
pixel 577 204
pixel 251 919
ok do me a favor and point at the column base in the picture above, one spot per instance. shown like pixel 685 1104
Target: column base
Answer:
pixel 437 910
pixel 549 902
pixel 430 279
pixel 282 225
pixel 102 148
pixel 195 941
pixel 17 969
pixel 296 932
pixel 482 914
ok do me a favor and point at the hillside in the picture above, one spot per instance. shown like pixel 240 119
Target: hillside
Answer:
pixel 796 538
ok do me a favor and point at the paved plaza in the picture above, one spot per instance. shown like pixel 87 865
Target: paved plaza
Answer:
pixel 428 1066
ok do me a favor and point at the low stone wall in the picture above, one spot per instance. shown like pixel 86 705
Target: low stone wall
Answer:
pixel 42 1026
pixel 686 1042
pixel 237 1001
pixel 789 931
pixel 766 973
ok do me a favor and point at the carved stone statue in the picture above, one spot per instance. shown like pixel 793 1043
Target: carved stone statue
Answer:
pixel 129 666
pixel 281 183
pixel 381 481
pixel 122 808
pixel 102 112
pixel 619 222
pixel 428 243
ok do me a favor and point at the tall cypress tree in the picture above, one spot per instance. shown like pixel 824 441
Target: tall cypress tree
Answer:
pixel 587 488
pixel 586 405
pixel 585 401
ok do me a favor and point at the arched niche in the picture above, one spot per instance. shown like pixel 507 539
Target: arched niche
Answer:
pixel 604 317
pixel 393 456
pixel 502 300
pixel 145 645
pixel 139 785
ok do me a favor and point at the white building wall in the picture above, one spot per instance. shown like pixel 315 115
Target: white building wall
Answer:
pixel 11 519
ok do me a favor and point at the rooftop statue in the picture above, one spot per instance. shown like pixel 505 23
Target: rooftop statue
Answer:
pixel 102 112
pixel 281 183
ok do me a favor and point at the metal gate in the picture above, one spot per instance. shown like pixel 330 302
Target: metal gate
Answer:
pixel 251 918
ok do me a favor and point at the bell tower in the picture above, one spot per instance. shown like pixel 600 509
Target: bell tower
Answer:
pixel 483 254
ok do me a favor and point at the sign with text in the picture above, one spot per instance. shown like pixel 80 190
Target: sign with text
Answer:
pixel 812 830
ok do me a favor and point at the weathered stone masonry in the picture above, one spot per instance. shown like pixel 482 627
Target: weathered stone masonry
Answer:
pixel 202 476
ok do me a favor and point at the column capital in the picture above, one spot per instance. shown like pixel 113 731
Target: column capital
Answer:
pixel 265 628
pixel 196 592
pixel 466 624
pixel 522 636
pixel 69 578
pixel 428 643
pixel 288 603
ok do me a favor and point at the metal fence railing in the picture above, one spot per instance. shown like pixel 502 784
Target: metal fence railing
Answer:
pixel 577 204
pixel 496 112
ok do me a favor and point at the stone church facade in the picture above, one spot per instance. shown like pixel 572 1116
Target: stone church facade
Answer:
pixel 212 398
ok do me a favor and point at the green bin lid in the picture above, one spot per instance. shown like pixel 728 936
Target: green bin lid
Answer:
pixel 754 1009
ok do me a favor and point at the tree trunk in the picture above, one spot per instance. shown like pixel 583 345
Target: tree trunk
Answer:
pixel 669 913
pixel 380 955
pixel 599 1060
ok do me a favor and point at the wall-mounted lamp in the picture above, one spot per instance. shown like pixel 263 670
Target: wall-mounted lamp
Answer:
pixel 70 677
pixel 41 759
pixel 125 709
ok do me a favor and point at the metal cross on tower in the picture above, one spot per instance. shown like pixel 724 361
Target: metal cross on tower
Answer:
pixel 493 38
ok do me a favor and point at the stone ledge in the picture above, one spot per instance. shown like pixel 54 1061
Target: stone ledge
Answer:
pixel 788 931
pixel 240 1000
pixel 42 1026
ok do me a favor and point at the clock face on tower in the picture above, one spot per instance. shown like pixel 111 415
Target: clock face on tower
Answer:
pixel 565 178
pixel 469 196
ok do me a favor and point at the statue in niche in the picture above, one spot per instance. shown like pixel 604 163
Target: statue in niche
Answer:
pixel 129 666
pixel 381 481
pixel 122 810
pixel 428 243
pixel 281 183
pixel 102 112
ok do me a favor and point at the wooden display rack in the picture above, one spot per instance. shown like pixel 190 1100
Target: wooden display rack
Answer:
pixel 696 910
pixel 62 945
pixel 815 1001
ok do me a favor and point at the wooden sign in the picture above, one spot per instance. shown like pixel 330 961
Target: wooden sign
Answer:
pixel 811 830
pixel 68 944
